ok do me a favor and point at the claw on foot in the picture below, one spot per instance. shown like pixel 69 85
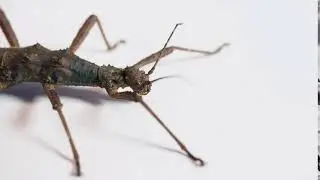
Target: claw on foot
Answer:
pixel 116 45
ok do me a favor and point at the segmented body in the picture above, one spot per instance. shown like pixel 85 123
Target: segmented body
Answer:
pixel 38 64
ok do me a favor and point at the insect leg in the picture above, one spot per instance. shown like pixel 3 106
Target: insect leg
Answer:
pixel 183 147
pixel 57 105
pixel 13 41
pixel 130 96
pixel 126 95
pixel 84 30
pixel 8 30
pixel 11 37
pixel 165 52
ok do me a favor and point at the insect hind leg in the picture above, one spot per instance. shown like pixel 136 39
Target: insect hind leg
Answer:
pixel 8 30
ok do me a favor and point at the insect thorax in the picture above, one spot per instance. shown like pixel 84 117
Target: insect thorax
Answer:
pixel 37 64
pixel 111 77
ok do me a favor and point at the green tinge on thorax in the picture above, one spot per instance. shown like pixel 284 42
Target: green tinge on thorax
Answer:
pixel 83 73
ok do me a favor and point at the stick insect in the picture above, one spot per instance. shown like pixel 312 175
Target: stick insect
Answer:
pixel 52 68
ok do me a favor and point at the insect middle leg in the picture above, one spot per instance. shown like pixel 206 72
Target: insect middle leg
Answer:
pixel 54 98
pixel 83 33
pixel 165 52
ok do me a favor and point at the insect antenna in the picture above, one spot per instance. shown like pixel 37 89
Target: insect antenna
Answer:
pixel 165 45
pixel 164 77
pixel 196 160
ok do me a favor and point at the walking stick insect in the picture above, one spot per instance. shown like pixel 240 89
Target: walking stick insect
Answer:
pixel 62 67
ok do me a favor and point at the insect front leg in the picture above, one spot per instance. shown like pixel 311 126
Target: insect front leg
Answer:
pixel 83 33
pixel 126 95
pixel 168 50
pixel 57 106
pixel 131 96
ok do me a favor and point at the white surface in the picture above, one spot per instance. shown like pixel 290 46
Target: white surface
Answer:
pixel 250 111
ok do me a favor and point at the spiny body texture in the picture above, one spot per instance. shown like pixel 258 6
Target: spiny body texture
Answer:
pixel 38 64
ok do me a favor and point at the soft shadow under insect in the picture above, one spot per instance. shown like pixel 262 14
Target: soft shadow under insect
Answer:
pixel 148 143
pixel 45 145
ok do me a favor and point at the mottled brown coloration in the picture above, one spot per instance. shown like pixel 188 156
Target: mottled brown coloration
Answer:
pixel 62 67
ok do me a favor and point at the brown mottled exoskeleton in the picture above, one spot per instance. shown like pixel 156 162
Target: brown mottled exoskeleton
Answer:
pixel 62 67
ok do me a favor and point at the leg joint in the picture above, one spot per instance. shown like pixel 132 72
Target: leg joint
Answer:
pixel 56 106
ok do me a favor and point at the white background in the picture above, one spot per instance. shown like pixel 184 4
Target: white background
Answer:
pixel 250 111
